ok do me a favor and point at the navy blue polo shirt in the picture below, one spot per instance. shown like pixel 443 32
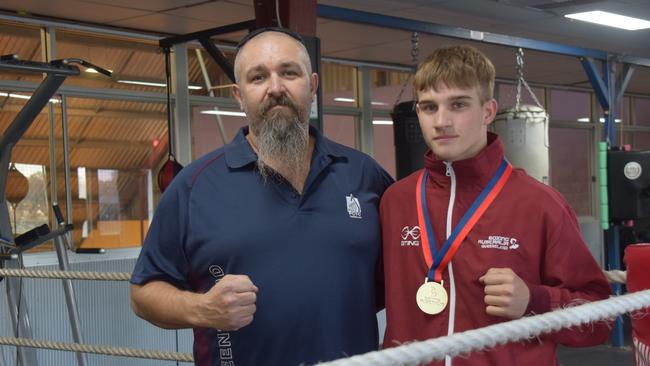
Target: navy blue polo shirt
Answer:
pixel 313 256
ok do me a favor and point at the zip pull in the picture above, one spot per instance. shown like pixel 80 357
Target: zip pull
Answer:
pixel 448 170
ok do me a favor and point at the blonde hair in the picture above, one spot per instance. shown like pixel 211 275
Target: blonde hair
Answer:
pixel 462 67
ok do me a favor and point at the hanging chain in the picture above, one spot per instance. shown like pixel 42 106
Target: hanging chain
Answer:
pixel 415 48
pixel 521 81
pixel 520 76
pixel 415 52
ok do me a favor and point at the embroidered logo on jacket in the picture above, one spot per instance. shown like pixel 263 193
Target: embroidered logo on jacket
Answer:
pixel 499 242
pixel 354 208
pixel 410 236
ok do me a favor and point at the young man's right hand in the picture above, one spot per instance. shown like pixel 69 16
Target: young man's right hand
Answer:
pixel 228 305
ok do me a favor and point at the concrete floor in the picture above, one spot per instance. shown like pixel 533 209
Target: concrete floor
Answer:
pixel 596 356
pixel 604 355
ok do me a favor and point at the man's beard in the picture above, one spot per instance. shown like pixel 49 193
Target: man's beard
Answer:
pixel 282 137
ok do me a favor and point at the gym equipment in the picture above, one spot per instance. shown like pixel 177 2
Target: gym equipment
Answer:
pixel 524 131
pixel 628 180
pixel 171 167
pixel 410 146
pixel 19 189
pixel 12 248
pixel 409 142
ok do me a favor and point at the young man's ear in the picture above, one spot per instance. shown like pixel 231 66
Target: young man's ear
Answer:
pixel 489 111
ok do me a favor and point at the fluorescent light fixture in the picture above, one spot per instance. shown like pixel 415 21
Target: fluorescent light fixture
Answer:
pixel 602 120
pixel 382 122
pixel 611 20
pixel 20 96
pixel 224 113
pixel 160 85
pixel 350 100
pixel 93 71
pixel 345 100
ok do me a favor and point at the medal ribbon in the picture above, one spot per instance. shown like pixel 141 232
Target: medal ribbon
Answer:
pixel 437 261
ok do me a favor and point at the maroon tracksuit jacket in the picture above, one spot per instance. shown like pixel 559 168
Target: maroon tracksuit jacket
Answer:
pixel 529 228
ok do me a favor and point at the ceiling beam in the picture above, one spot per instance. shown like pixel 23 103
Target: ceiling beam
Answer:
pixel 89 144
pixel 97 112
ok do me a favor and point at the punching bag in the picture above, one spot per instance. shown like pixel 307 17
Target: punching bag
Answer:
pixel 171 167
pixel 524 133
pixel 409 143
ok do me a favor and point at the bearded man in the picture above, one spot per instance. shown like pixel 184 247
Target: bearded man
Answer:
pixel 268 247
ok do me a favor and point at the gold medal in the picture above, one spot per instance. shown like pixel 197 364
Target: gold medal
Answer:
pixel 431 297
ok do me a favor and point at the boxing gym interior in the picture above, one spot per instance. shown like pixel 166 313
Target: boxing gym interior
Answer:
pixel 102 103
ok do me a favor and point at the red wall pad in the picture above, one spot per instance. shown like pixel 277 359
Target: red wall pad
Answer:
pixel 637 258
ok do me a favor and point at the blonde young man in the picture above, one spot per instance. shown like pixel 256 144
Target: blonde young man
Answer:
pixel 268 246
pixel 468 241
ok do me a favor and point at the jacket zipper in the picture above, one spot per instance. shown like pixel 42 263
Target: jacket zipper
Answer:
pixel 452 286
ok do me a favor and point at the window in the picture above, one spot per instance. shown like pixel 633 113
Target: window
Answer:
pixel 116 150
pixel 384 145
pixel 642 111
pixel 28 182
pixel 572 177
pixel 206 130
pixel 568 105
pixel 338 85
pixel 386 86
pixel 340 129
pixel 32 210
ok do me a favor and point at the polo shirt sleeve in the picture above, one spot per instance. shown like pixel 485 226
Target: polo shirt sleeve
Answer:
pixel 163 255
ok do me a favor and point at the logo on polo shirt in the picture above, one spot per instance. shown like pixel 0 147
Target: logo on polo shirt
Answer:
pixel 499 242
pixel 410 236
pixel 354 208
pixel 223 342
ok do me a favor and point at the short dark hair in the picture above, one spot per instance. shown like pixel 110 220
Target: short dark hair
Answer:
pixel 259 31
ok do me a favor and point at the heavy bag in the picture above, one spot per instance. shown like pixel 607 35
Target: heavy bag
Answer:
pixel 524 133
pixel 168 171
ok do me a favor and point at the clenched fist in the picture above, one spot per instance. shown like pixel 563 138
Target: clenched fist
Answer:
pixel 228 305
pixel 506 294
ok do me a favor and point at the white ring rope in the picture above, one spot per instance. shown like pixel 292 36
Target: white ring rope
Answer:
pixel 65 275
pixel 102 350
pixel 411 354
pixel 521 329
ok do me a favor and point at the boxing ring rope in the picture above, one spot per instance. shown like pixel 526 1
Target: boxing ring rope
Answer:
pixel 66 275
pixel 614 276
pixel 417 353
pixel 96 349
pixel 86 348
pixel 410 354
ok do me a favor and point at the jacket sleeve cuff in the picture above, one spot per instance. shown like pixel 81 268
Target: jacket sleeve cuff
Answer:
pixel 539 301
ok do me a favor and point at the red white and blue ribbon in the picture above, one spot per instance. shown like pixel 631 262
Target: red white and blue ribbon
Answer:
pixel 438 260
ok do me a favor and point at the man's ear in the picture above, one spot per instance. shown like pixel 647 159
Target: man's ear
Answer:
pixel 489 111
pixel 237 94
pixel 313 83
